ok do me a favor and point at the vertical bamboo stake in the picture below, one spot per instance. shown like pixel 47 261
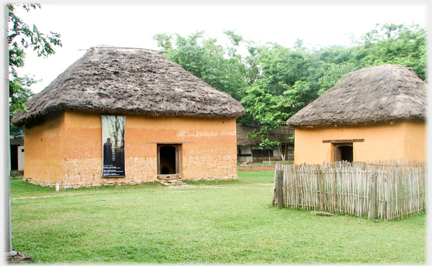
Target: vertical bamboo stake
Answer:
pixel 295 184
pixel 275 185
pixel 291 185
pixel 418 189
pixel 387 197
pixel 320 187
pixel 373 193
pixel 285 186
pixel 279 190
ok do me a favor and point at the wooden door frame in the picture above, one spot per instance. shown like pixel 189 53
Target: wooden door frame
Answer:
pixel 335 143
pixel 337 154
pixel 177 147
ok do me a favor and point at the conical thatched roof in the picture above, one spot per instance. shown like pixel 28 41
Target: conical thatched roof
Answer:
pixel 110 80
pixel 369 95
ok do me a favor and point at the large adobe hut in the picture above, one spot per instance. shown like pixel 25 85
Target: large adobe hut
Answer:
pixel 127 116
pixel 375 113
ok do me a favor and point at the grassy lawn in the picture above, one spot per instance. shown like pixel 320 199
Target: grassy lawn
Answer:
pixel 202 222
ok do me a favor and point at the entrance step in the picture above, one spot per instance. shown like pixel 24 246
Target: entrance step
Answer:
pixel 169 177
pixel 17 174
pixel 171 182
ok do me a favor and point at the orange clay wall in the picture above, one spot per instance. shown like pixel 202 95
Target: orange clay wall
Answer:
pixel 415 141
pixel 43 158
pixel 404 140
pixel 208 149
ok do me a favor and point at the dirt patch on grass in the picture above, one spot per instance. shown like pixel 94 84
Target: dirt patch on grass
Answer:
pixel 19 257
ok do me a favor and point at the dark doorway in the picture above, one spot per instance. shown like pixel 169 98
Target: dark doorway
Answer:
pixel 168 159
pixel 344 152
pixel 14 157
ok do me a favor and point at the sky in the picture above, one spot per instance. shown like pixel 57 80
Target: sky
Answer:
pixel 133 25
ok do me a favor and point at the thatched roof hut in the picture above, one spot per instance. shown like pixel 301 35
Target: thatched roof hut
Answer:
pixel 369 95
pixel 128 116
pixel 129 81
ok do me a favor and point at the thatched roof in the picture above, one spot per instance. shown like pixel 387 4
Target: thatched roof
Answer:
pixel 281 134
pixel 109 80
pixel 370 95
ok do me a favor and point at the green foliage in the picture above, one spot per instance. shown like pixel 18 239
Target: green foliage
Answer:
pixel 264 108
pixel 300 75
pixel 300 95
pixel 219 66
pixel 333 75
pixel 275 82
pixel 22 36
pixel 282 67
pixel 394 44
pixel 266 144
pixel 19 92
pixel 291 138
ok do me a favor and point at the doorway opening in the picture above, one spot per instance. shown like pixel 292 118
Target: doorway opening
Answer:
pixel 343 152
pixel 168 161
pixel 14 157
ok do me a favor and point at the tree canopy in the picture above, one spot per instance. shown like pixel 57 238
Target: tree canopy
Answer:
pixel 274 82
pixel 219 66
pixel 22 37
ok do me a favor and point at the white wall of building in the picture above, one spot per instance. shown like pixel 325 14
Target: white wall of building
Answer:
pixel 20 158
pixel 245 150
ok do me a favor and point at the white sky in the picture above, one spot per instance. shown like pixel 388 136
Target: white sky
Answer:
pixel 84 26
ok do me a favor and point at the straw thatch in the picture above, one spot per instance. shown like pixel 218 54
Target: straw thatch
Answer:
pixel 370 95
pixel 109 80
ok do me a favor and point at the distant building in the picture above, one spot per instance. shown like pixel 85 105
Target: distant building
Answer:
pixel 17 153
pixel 375 113
pixel 248 149
pixel 127 116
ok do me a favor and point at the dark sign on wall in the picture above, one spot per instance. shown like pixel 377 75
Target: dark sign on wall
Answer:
pixel 113 145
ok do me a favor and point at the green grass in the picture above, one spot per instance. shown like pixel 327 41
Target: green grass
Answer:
pixel 202 222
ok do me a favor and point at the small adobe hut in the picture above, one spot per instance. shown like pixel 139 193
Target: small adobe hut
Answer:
pixel 127 116
pixel 375 113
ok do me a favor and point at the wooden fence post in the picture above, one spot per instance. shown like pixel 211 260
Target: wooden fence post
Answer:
pixel 320 176
pixel 373 195
pixel 279 190
pixel 273 201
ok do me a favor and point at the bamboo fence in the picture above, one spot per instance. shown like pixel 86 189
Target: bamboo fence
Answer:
pixel 377 190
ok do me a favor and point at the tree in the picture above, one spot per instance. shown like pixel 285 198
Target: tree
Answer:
pixel 267 110
pixel 394 44
pixel 333 74
pixel 274 82
pixel 251 62
pixel 219 66
pixel 282 67
pixel 272 79
pixel 266 144
pixel 20 38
